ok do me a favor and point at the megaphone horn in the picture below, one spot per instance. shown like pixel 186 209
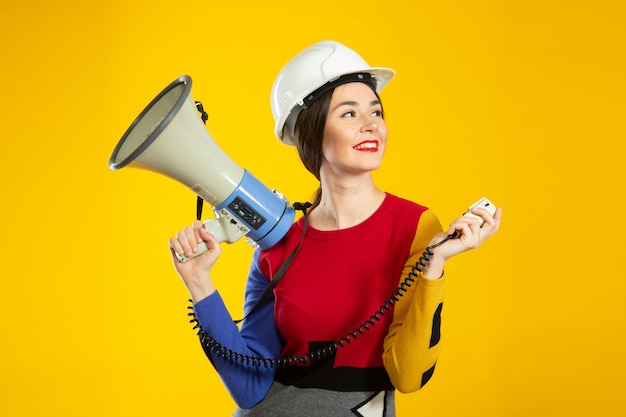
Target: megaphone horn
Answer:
pixel 169 137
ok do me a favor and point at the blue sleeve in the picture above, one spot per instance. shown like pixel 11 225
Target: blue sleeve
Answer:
pixel 258 337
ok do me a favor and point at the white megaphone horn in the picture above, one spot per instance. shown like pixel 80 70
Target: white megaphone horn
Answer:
pixel 169 137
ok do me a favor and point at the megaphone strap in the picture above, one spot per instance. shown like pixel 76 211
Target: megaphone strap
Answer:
pixel 205 116
pixel 283 268
pixel 199 204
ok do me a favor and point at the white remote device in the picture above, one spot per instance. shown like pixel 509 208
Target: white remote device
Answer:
pixel 483 203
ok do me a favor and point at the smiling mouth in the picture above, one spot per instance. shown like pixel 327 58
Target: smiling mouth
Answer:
pixel 367 146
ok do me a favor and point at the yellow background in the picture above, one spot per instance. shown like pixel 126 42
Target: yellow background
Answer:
pixel 520 101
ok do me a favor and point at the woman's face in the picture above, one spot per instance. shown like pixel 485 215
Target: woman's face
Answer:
pixel 355 133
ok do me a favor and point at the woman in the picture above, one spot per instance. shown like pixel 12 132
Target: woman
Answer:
pixel 357 245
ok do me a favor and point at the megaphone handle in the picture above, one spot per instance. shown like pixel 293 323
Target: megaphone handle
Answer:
pixel 212 226
pixel 201 249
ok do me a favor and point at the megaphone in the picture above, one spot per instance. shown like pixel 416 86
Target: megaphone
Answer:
pixel 170 138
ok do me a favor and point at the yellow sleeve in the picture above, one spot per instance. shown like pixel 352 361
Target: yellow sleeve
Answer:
pixel 411 347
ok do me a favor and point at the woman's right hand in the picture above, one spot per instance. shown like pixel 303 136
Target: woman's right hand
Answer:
pixel 195 271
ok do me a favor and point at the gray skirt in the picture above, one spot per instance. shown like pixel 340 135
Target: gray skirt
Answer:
pixel 290 401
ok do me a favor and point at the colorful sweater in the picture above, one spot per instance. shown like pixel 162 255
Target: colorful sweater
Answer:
pixel 338 280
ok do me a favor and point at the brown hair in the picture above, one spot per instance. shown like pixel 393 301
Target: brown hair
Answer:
pixel 308 135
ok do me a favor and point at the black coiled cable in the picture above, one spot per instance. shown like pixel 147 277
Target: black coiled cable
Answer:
pixel 212 346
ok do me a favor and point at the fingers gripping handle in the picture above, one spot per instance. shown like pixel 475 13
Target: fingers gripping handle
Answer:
pixel 225 229
pixel 211 226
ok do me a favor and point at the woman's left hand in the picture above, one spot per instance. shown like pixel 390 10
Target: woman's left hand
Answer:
pixel 471 236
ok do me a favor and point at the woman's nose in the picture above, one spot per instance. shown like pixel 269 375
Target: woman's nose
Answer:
pixel 370 124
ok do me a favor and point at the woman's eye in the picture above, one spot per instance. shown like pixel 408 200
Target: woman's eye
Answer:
pixel 377 113
pixel 348 114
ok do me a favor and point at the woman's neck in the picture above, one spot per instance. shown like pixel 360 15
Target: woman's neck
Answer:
pixel 346 204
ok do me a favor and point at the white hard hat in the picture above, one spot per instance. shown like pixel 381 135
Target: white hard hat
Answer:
pixel 314 67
